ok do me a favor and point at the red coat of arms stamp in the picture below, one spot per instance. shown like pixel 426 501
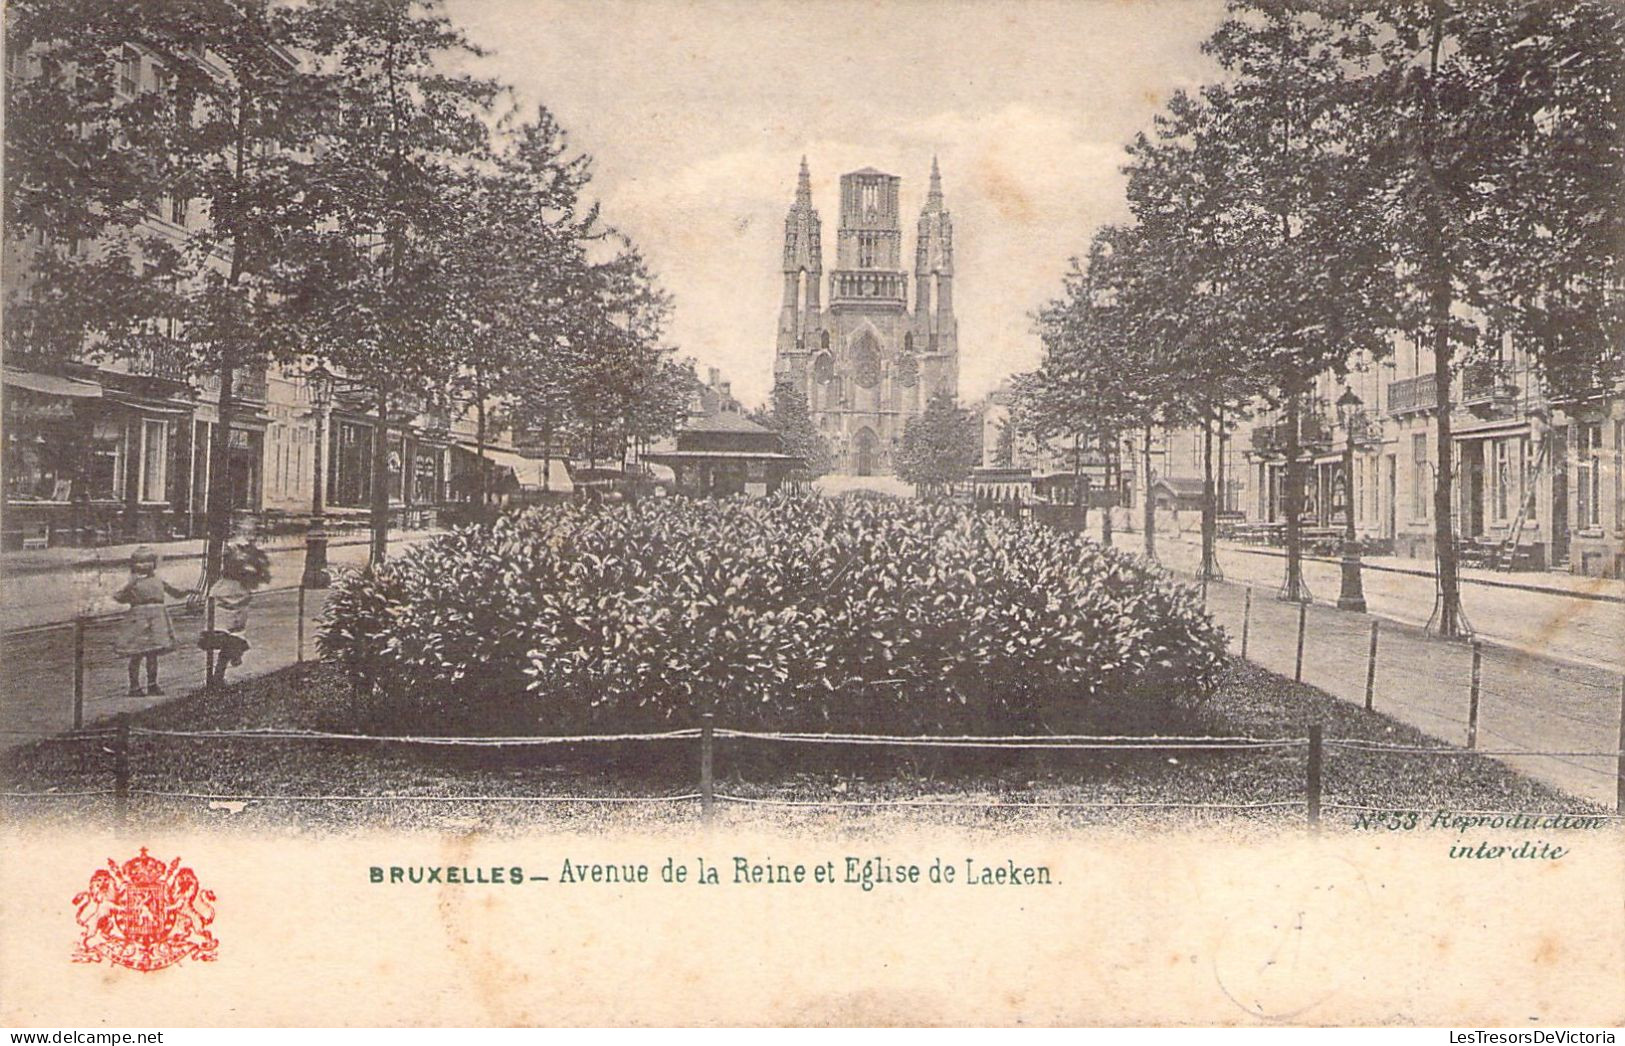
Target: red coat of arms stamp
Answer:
pixel 145 915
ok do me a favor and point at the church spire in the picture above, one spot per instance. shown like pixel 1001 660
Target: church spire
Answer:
pixel 804 185
pixel 933 198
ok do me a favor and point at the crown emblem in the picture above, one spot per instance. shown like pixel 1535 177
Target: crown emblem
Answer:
pixel 144 870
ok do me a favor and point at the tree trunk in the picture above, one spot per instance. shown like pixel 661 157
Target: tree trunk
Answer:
pixel 1293 590
pixel 220 506
pixel 1444 530
pixel 380 484
pixel 1150 505
pixel 547 458
pixel 1114 485
pixel 1210 504
pixel 1440 293
pixel 479 438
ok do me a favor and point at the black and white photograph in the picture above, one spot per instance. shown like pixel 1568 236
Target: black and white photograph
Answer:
pixel 836 512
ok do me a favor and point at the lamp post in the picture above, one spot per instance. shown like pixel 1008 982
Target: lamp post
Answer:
pixel 1352 594
pixel 319 381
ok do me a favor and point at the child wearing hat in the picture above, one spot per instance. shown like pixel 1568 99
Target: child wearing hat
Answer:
pixel 146 630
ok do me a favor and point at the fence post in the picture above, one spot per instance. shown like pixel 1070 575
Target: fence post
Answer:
pixel 1314 775
pixel 1472 699
pixel 1619 798
pixel 1246 618
pixel 1371 671
pixel 708 797
pixel 1297 671
pixel 121 769
pixel 208 651
pixel 79 672
pixel 299 643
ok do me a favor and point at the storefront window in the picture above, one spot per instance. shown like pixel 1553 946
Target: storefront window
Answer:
pixel 351 465
pixel 1419 476
pixel 1589 474
pixel 154 459
pixel 1501 477
pixel 104 472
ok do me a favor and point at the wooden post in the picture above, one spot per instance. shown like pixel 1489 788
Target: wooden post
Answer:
pixel 121 769
pixel 1297 671
pixel 1619 798
pixel 1472 698
pixel 208 653
pixel 79 672
pixel 1314 775
pixel 1371 671
pixel 1246 618
pixel 708 796
pixel 299 643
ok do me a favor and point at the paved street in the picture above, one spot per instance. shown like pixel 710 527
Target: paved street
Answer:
pixel 1583 631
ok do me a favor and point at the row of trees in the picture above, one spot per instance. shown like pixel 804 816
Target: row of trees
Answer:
pixel 336 189
pixel 1443 170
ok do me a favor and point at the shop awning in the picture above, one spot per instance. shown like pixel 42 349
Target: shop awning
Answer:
pixel 529 471
pixel 52 384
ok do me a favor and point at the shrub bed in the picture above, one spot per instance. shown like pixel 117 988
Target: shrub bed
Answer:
pixel 789 612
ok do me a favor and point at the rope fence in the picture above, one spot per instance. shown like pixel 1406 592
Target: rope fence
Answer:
pixel 124 788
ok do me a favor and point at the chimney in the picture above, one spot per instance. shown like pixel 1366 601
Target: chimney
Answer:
pixel 715 376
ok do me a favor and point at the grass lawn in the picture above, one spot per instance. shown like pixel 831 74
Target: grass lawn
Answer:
pixel 434 788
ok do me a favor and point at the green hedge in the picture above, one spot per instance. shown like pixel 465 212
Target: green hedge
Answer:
pixel 789 612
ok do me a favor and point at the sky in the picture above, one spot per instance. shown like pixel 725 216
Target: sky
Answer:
pixel 697 113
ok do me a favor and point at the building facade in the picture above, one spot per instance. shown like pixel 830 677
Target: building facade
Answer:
pixel 866 361
pixel 103 450
pixel 1538 481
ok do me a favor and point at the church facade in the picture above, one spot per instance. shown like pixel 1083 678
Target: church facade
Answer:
pixel 866 360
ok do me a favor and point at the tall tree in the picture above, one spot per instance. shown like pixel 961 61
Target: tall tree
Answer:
pixel 788 415
pixel 172 204
pixel 398 131
pixel 1177 189
pixel 940 446
pixel 1312 281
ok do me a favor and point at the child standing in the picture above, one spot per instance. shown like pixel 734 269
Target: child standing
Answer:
pixel 146 631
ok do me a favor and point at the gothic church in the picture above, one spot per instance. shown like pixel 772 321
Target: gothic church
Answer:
pixel 866 361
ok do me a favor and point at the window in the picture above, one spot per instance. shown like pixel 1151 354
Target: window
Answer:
pixel 154 459
pixel 1501 481
pixel 129 72
pixel 1588 474
pixel 1619 475
pixel 105 472
pixel 1419 476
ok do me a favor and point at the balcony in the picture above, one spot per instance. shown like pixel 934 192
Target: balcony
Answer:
pixel 1413 395
pixel 1365 428
pixel 160 359
pixel 1487 388
pixel 1314 434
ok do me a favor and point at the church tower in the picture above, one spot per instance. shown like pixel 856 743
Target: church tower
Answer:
pixel 866 362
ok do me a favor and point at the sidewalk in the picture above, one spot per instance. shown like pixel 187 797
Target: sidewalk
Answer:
pixel 60 593
pixel 37 690
pixel 1559 618
pixel 1527 703
pixel 45 560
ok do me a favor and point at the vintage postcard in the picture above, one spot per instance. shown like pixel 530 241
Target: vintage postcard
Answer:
pixel 836 512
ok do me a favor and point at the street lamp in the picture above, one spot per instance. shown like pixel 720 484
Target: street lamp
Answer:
pixel 1352 595
pixel 319 382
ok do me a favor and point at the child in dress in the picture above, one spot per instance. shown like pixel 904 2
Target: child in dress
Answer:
pixel 243 569
pixel 146 631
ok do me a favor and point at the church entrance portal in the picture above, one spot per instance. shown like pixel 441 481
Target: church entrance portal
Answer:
pixel 866 444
